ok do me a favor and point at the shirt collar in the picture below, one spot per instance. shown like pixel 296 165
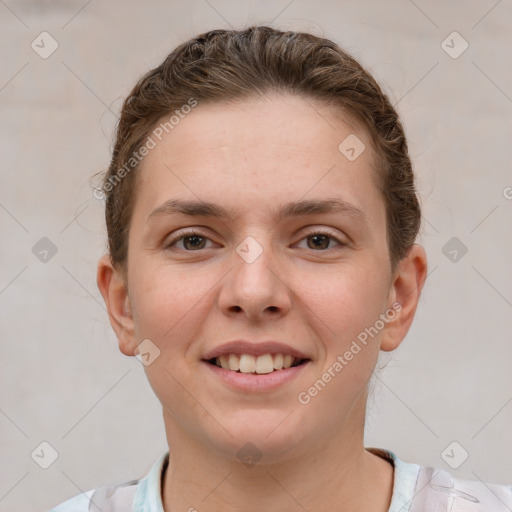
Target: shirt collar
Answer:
pixel 404 483
pixel 148 497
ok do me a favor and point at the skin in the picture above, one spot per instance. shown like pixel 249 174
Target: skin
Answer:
pixel 252 157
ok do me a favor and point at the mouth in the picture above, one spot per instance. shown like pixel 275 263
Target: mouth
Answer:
pixel 259 365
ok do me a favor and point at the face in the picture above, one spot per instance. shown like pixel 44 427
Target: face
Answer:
pixel 280 266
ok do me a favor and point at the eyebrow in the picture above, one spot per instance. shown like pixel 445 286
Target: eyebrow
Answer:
pixel 291 209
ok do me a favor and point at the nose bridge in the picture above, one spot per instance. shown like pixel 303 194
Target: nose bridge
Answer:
pixel 254 284
pixel 254 269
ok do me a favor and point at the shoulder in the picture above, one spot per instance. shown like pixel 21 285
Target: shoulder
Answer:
pixel 141 495
pixel 78 503
pixel 418 488
pixel 112 498
pixel 437 488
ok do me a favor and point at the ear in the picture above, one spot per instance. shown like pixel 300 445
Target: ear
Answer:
pixel 405 292
pixel 112 286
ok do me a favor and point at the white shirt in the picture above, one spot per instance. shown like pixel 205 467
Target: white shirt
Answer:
pixel 415 489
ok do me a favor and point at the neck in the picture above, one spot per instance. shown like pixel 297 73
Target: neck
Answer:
pixel 337 474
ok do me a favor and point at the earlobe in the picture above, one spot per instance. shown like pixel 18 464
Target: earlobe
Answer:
pixel 406 291
pixel 112 286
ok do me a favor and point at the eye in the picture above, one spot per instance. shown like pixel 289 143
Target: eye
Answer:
pixel 193 239
pixel 321 240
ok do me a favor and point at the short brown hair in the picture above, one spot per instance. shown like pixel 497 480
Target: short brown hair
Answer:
pixel 224 65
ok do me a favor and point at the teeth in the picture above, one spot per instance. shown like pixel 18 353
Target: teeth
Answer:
pixel 264 364
pixel 234 362
pixel 247 363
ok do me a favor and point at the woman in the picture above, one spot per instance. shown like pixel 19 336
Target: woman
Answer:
pixel 262 216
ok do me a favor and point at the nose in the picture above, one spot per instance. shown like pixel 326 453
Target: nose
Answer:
pixel 257 284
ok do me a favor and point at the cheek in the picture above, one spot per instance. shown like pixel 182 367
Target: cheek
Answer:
pixel 346 300
pixel 346 305
pixel 170 308
pixel 166 301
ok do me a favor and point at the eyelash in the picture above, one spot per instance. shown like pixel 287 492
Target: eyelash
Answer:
pixel 191 233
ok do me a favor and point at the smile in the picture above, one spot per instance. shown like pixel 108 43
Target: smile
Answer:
pixel 248 363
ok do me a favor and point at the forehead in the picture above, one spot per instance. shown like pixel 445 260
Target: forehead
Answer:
pixel 268 148
pixel 298 123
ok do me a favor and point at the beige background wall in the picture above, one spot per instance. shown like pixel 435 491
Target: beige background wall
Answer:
pixel 63 379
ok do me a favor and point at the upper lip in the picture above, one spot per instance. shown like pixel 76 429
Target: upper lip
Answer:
pixel 254 348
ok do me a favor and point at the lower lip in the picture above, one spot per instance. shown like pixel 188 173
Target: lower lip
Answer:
pixel 257 381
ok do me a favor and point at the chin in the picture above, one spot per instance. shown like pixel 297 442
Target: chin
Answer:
pixel 262 436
